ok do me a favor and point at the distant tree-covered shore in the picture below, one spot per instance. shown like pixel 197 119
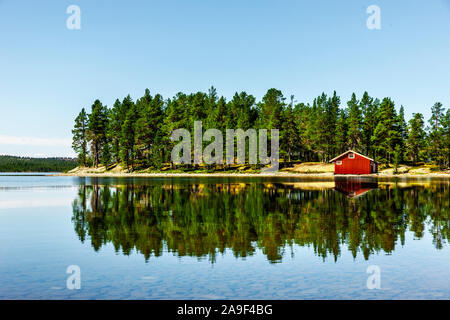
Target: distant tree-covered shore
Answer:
pixel 137 133
pixel 24 164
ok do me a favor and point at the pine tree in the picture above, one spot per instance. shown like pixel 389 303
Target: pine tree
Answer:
pixel 416 137
pixel 446 137
pixel 211 106
pixel 174 118
pixel 331 116
pixel 318 132
pixel 435 141
pixel 386 136
pixel 354 124
pixel 115 122
pixel 148 127
pixel 369 108
pixel 302 116
pixel 80 140
pixel 97 130
pixel 397 152
pixel 271 108
pixel 402 130
pixel 221 115
pixel 437 113
pixel 341 132
pixel 128 133
pixel 196 109
pixel 289 139
pixel 106 154
pixel 242 110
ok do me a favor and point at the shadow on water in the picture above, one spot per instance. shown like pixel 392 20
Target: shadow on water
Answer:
pixel 203 218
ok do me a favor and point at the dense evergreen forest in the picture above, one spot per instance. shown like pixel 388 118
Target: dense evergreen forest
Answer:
pixel 137 133
pixel 19 164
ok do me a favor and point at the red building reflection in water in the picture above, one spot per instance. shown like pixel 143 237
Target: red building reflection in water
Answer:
pixel 355 186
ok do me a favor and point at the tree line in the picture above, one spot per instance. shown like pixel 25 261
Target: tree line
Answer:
pixel 137 133
pixel 24 164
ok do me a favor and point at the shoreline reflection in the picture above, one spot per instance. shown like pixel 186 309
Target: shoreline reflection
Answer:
pixel 203 219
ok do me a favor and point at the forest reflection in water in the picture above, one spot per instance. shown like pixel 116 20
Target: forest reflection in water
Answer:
pixel 204 218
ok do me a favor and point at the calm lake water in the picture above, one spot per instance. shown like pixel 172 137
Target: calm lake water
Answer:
pixel 223 238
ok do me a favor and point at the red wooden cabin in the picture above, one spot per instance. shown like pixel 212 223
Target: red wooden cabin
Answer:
pixel 352 162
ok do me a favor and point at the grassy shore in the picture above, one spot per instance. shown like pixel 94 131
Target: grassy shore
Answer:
pixel 312 169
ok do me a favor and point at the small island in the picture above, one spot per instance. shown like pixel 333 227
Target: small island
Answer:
pixel 133 138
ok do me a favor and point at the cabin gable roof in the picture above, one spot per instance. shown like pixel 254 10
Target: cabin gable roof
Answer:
pixel 350 151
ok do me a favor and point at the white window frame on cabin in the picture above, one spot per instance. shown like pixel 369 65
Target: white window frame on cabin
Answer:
pixel 339 163
pixel 351 156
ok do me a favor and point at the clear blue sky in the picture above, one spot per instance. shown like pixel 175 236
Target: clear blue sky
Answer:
pixel 47 72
